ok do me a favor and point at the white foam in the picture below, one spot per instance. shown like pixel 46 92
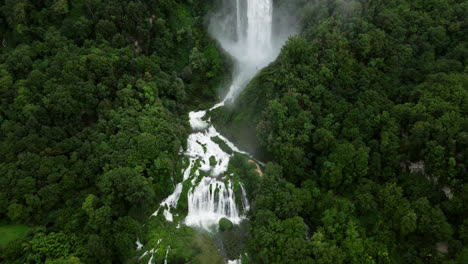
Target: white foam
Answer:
pixel 171 202
pixel 196 121
pixel 138 244
pixel 245 201
pixel 210 201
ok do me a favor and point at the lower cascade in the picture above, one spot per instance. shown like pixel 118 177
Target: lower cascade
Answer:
pixel 210 197
pixel 207 207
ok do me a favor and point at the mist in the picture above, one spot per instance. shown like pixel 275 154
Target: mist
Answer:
pixel 252 32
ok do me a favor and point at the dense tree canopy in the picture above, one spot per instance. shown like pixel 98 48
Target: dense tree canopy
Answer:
pixel 93 96
pixel 366 113
pixel 363 119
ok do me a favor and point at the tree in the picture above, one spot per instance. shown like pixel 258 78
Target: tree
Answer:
pixel 409 223
pixel 125 187
pixel 279 241
pixel 325 252
pixel 345 165
pixel 51 246
pixel 15 12
pixel 98 249
pixel 60 7
pixel 16 212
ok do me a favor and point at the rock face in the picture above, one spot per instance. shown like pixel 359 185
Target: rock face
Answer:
pixel 448 191
pixel 417 167
pixel 258 169
pixel 442 247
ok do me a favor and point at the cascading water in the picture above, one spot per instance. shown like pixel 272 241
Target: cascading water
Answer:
pixel 212 197
pixel 210 194
pixel 260 20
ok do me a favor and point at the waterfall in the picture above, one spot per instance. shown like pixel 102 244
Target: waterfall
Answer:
pixel 252 48
pixel 211 194
pixel 207 186
pixel 260 19
pixel 238 21
pixel 210 201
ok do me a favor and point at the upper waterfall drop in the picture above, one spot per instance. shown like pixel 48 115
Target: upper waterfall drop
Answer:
pixel 259 29
pixel 239 31
pixel 252 47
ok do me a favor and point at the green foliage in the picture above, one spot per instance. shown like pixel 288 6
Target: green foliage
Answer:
pixel 244 170
pixel 185 243
pixel 222 145
pixel 10 233
pixel 124 186
pixel 280 241
pixel 364 115
pixel 94 96
pixel 60 7
pixel 53 246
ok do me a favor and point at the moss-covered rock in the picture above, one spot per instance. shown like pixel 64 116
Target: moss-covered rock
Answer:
pixel 213 161
pixel 225 224
pixel 222 145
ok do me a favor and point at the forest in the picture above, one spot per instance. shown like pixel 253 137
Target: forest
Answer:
pixel 362 122
pixel 93 96
pixel 365 118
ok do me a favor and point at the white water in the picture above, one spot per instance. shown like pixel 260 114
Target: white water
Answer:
pixel 138 244
pixel 207 206
pixel 167 253
pixel 212 197
pixel 260 20
pixel 152 252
